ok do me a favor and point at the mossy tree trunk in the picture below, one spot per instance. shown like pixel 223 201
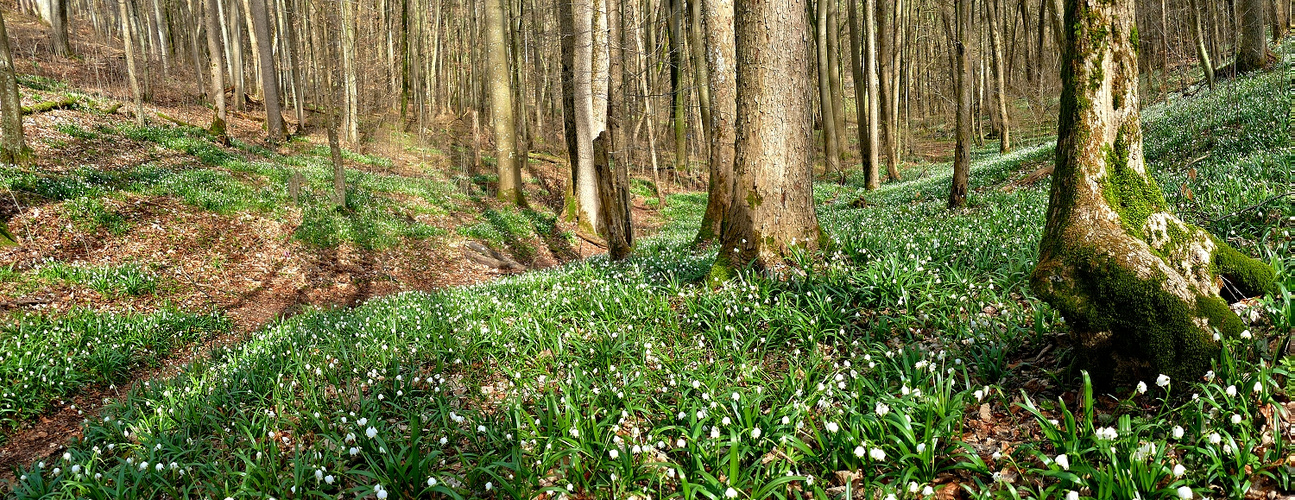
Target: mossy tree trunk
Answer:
pixel 12 146
pixel 962 149
pixel 1138 286
pixel 1253 53
pixel 501 104
pixel 772 212
pixel 723 93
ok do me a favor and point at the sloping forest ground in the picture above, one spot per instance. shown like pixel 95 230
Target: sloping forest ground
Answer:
pixel 142 248
pixel 912 362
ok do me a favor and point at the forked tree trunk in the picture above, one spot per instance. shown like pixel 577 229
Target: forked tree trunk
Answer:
pixel 772 213
pixel 1138 287
pixel 1253 54
pixel 962 148
pixel 501 105
pixel 723 91
pixel 12 146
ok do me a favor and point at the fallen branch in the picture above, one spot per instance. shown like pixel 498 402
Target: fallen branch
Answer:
pixel 177 121
pixel 65 102
pixel 22 302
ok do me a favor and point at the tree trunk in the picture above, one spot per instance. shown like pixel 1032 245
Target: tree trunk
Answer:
pixel 834 80
pixel 501 105
pixel 58 21
pixel 12 147
pixel 567 31
pixel 702 81
pixel 1202 53
pixel 680 104
pixel 269 76
pixel 1137 286
pixel 720 57
pixel 860 85
pixel 585 189
pixel 217 67
pixel 350 74
pixel 234 47
pixel 1000 80
pixel 962 149
pixel 872 168
pixel 1253 54
pixel 128 43
pixel 772 214
pixel 831 151
pixel 614 198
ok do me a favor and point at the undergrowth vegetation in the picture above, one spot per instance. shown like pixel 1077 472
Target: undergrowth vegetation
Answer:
pixel 909 360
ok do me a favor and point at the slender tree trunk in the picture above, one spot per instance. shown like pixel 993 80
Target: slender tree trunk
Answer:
pixel 501 104
pixel 13 148
pixel 720 57
pixel 679 111
pixel 269 77
pixel 772 214
pixel 702 80
pixel 1000 82
pixel 128 43
pixel 585 188
pixel 567 30
pixel 350 74
pixel 1137 285
pixel 873 165
pixel 1202 53
pixel 642 41
pixel 1253 54
pixel 58 21
pixel 834 80
pixel 860 84
pixel 962 150
pixel 831 151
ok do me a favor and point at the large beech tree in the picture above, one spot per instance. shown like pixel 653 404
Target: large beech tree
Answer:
pixel 1139 287
pixel 772 211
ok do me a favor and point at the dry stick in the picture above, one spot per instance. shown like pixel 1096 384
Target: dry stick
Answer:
pixel 1251 207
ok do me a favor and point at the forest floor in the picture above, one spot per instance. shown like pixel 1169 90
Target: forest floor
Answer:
pixel 115 219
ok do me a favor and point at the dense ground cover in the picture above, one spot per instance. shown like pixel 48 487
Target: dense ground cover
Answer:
pixel 911 361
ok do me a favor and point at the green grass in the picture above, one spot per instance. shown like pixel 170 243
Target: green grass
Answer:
pixel 43 358
pixel 612 380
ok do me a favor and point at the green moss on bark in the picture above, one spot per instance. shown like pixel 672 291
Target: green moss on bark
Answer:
pixel 1130 194
pixel 1246 277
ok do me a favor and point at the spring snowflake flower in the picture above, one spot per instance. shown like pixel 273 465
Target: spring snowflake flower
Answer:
pixel 680 443
pixel 354 451
pixel 913 487
pixel 1215 438
pixel 1231 391
pixel 1245 334
pixel 882 409
pixel 1063 461
pixel 1162 380
pixel 1142 387
pixel 730 493
pixel 755 433
pixel 1185 492
pixel 329 479
pixel 1072 495
pixel 877 454
pixel 928 491
pixel 725 421
pixel 490 486
pixel 1179 470
pixel 575 433
pixel 364 421
pixel 832 427
pixel 737 396
pixel 859 451
pixel 371 432
pixel 714 432
pixel 1259 387
pixel 1178 432
pixel 1236 418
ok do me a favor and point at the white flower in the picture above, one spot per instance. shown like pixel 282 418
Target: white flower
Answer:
pixel 921 447
pixel 328 479
pixel 913 487
pixel 725 421
pixel 575 433
pixel 614 453
pixel 490 486
pixel 736 396
pixel 832 427
pixel 1142 387
pixel 1231 390
pixel 755 433
pixel 1236 418
pixel 1162 380
pixel 354 451
pixel 1259 387
pixel 859 451
pixel 979 395
pixel 730 493
pixel 680 443
pixel 371 432
pixel 714 432
pixel 877 454
pixel 882 409
pixel 1179 470
pixel 1215 438
pixel 1185 492
pixel 1072 495
pixel 1178 432
pixel 928 491
pixel 1245 334
pixel 1063 461
pixel 364 421
pixel 382 494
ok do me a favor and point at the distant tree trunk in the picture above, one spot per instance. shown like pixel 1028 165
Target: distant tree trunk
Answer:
pixel 962 149
pixel 614 197
pixel 702 82
pixel 772 213
pixel 128 43
pixel 12 147
pixel 567 31
pixel 834 81
pixel 1000 78
pixel 679 111
pixel 860 84
pixel 217 67
pixel 1253 54
pixel 501 105
pixel 720 57
pixel 1137 286
pixel 269 76
pixel 585 188
pixel 350 75
pixel 831 151
pixel 641 41
pixel 234 47
pixel 1202 53
pixel 58 21
pixel 873 166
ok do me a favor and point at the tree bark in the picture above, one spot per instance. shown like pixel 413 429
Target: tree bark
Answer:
pixel 872 168
pixel 720 57
pixel 585 189
pixel 12 146
pixel 772 214
pixel 834 79
pixel 614 198
pixel 860 85
pixel 128 43
pixel 217 67
pixel 58 21
pixel 1000 78
pixel 501 104
pixel 962 149
pixel 269 76
pixel 1202 53
pixel 831 150
pixel 680 103
pixel 1137 286
pixel 1253 54
pixel 702 81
